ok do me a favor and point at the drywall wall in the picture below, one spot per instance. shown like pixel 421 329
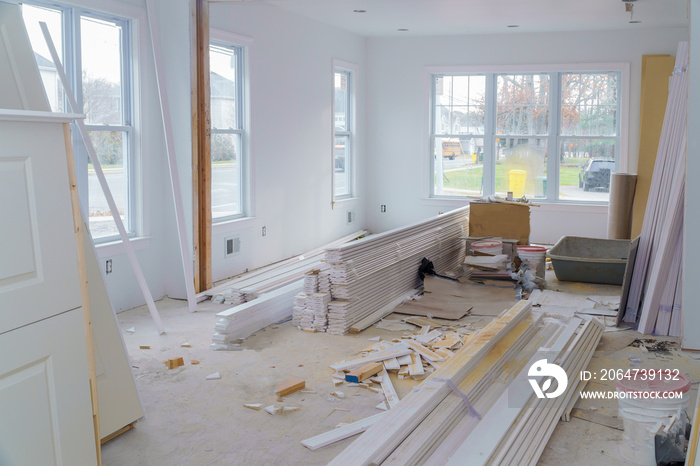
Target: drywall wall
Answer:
pixel 397 102
pixel 691 256
pixel 290 70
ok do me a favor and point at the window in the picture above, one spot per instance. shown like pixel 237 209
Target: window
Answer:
pixel 545 135
pixel 227 132
pixel 343 129
pixel 95 51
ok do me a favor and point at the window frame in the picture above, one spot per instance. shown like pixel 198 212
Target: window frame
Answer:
pixel 553 137
pixel 241 45
pixel 350 164
pixel 71 16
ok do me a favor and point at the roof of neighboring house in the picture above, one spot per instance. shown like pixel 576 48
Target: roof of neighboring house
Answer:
pixel 221 87
pixel 43 62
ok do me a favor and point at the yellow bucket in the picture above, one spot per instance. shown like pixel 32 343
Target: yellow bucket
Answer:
pixel 516 182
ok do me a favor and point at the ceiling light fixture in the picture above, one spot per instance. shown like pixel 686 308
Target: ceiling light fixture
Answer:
pixel 513 26
pixel 359 11
pixel 402 30
pixel 629 8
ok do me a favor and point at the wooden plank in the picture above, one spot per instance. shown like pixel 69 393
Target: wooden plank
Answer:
pixel 290 386
pixel 341 433
pixel 392 364
pixel 364 372
pixel 400 349
pixel 416 366
pixel 392 398
pixel 84 293
pixel 116 434
pixel 424 352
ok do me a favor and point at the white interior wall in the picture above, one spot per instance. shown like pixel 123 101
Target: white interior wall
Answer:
pixel 397 102
pixel 291 93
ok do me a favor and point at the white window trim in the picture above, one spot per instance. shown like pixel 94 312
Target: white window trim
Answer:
pixel 353 69
pixel 622 163
pixel 137 16
pixel 225 224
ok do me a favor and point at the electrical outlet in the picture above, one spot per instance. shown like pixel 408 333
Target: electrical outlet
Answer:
pixel 264 231
pixel 351 216
pixel 108 266
pixel 383 208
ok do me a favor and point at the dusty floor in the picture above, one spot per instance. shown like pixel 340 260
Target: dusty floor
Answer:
pixel 193 421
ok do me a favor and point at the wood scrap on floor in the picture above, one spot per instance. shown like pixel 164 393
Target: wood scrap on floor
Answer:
pixel 175 363
pixel 290 386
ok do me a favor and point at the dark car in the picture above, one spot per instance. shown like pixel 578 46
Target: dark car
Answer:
pixel 596 174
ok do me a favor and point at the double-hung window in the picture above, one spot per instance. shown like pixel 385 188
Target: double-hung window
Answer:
pixel 343 133
pixel 95 51
pixel 552 135
pixel 228 170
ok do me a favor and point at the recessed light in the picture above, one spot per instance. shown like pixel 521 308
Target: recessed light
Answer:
pixel 513 26
pixel 402 30
pixel 359 11
pixel 635 22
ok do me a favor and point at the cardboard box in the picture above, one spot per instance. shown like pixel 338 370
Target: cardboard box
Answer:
pixel 502 220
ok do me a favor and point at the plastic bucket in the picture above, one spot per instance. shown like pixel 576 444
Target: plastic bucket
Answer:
pixel 535 256
pixel 640 416
pixel 516 182
pixel 493 247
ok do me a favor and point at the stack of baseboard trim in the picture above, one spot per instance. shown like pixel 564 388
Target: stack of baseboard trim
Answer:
pixel 656 285
pixel 430 424
pixel 241 321
pixel 370 273
pixel 278 274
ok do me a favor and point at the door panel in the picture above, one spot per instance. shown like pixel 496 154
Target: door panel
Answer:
pixel 44 394
pixel 37 245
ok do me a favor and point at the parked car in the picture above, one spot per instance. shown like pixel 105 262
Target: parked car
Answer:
pixel 596 174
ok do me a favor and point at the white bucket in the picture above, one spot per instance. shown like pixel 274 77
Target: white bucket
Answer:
pixel 493 247
pixel 641 416
pixel 535 256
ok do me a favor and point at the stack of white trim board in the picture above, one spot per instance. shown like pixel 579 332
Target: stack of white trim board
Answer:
pixel 265 296
pixel 656 284
pixel 480 405
pixel 370 275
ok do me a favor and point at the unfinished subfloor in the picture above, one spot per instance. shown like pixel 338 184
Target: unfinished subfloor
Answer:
pixel 193 421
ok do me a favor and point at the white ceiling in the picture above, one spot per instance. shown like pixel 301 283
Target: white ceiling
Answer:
pixel 451 17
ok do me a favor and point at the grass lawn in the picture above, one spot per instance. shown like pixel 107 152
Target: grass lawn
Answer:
pixel 470 179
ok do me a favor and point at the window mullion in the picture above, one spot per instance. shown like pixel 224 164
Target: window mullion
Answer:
pixel 553 142
pixel 489 164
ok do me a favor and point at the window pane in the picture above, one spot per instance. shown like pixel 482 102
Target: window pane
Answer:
pixel 341 164
pixel 521 167
pixel 585 168
pixel 54 20
pixel 459 168
pixel 223 63
pixel 101 55
pixel 589 104
pixel 459 105
pixel 341 101
pixel 110 147
pixel 522 104
pixel 225 175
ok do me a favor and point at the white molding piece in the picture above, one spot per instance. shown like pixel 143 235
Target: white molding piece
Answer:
pixel 341 433
pixel 103 183
pixel 185 255
pixel 399 349
pixel 39 116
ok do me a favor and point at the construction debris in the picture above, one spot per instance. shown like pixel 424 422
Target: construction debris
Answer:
pixel 174 363
pixel 255 406
pixel 214 376
pixel 290 386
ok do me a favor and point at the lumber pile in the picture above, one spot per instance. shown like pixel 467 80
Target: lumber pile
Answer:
pixel 251 284
pixel 369 275
pixel 241 321
pixel 654 298
pixel 476 386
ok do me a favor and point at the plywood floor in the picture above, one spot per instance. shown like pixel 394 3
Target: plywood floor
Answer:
pixel 193 421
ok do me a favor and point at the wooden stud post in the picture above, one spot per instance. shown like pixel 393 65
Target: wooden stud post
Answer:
pixel 202 135
pixel 78 226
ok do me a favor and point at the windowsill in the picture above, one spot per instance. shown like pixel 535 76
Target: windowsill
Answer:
pixel 114 248
pixel 345 200
pixel 560 206
pixel 229 225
